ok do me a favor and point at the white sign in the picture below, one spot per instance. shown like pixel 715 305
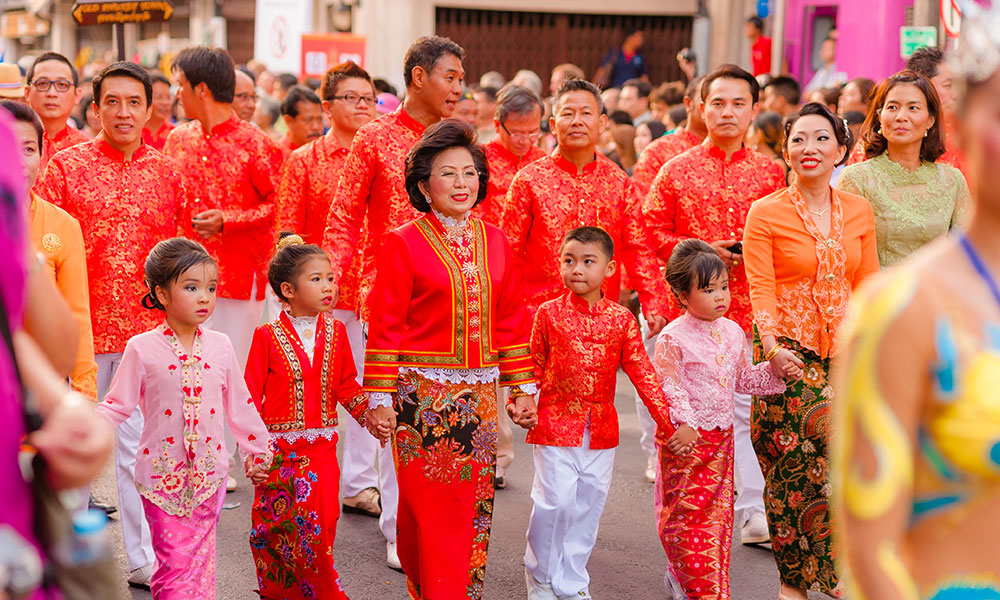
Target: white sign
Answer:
pixel 278 29
pixel 951 17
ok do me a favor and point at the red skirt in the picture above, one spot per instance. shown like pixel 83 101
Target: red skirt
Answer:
pixel 445 448
pixel 695 506
pixel 294 522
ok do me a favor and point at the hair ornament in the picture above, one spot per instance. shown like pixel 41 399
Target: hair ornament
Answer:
pixel 977 56
pixel 290 240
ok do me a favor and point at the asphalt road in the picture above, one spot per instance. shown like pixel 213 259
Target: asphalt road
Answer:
pixel 628 561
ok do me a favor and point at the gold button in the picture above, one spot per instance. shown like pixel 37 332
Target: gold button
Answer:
pixel 204 159
pixel 197 199
pixel 829 310
pixel 830 277
pixel 730 210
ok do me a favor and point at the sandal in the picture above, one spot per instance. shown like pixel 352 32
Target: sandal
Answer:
pixel 368 502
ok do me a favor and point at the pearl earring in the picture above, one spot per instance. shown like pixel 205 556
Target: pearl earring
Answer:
pixel 926 131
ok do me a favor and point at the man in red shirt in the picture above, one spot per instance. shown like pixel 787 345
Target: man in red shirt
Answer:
pixel 308 181
pixel 705 193
pixel 303 115
pixel 760 49
pixel 53 93
pixel 371 198
pixel 518 123
pixel 127 197
pixel 661 150
pixel 245 98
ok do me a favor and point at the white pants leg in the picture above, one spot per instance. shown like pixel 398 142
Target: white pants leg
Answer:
pixel 505 437
pixel 237 319
pixel 135 529
pixel 646 423
pixel 748 476
pixel 569 491
pixel 357 469
pixel 390 493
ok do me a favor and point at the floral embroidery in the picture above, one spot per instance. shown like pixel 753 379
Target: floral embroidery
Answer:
pixel 504 165
pixel 657 154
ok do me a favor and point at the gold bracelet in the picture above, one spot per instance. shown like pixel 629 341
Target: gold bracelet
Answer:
pixel 773 351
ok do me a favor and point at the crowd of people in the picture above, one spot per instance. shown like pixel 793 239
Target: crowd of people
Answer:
pixel 212 260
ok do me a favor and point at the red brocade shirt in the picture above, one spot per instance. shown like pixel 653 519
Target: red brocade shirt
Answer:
pixel 450 300
pixel 504 164
pixel 157 139
pixel 67 138
pixel 577 349
pixel 656 154
pixel 549 197
pixel 235 169
pixel 294 393
pixel 124 209
pixel 308 184
pixel 371 198
pixel 700 194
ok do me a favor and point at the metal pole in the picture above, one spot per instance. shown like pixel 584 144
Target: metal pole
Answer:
pixel 778 38
pixel 120 37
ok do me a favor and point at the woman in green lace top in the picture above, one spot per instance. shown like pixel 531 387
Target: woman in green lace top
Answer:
pixel 914 199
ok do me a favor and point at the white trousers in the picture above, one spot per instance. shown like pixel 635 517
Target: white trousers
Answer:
pixel 570 488
pixel 237 319
pixel 647 426
pixel 365 462
pixel 135 529
pixel 749 480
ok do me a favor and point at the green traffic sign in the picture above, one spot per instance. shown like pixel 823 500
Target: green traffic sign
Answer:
pixel 912 39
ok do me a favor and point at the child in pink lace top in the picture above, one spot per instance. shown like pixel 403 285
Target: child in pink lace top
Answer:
pixel 702 359
pixel 188 384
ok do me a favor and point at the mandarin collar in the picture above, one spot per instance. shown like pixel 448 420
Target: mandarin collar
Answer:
pixel 717 153
pixel 58 136
pixel 117 155
pixel 583 306
pixel 563 163
pixel 699 324
pixel 407 121
pixel 222 128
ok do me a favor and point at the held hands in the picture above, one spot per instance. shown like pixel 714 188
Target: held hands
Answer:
pixel 75 442
pixel 257 474
pixel 523 412
pixel 207 223
pixel 683 440
pixel 786 364
pixel 381 423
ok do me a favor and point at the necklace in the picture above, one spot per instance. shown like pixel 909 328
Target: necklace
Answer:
pixel 980 267
pixel 819 213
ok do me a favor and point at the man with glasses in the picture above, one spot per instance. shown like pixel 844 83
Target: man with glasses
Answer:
pixel 518 124
pixel 245 98
pixel 303 115
pixel 52 92
pixel 371 198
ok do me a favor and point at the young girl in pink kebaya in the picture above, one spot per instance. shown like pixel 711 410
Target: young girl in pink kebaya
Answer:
pixel 188 384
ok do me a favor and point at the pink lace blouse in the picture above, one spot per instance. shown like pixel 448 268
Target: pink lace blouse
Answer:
pixel 702 364
pixel 182 458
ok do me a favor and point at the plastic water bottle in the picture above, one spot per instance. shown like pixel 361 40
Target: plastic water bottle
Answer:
pixel 89 543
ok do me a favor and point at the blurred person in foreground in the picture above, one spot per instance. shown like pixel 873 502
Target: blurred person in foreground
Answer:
pixel 915 454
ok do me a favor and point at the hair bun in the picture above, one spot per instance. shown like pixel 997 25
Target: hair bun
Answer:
pixel 292 239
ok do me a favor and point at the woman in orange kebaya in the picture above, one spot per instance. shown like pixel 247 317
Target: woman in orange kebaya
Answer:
pixel 448 322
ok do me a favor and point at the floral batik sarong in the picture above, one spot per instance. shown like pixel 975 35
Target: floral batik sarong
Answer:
pixel 184 547
pixel 694 499
pixel 294 519
pixel 790 435
pixel 445 448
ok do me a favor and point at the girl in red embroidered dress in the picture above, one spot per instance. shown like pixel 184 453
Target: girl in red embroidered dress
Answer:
pixel 300 367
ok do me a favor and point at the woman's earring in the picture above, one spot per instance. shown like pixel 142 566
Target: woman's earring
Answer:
pixel 926 131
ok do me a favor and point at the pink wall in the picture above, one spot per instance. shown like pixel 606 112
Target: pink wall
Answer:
pixel 868 36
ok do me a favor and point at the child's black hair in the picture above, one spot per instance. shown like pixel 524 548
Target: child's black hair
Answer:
pixel 166 262
pixel 286 264
pixel 591 235
pixel 692 265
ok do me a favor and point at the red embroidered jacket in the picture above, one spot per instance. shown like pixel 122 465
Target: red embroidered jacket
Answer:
pixel 293 393
pixel 371 198
pixel 233 168
pixel 124 209
pixel 447 302
pixel 577 350
pixel 157 139
pixel 657 154
pixel 548 198
pixel 308 183
pixel 504 164
pixel 700 194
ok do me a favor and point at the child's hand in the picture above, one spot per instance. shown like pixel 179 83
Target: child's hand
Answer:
pixel 523 412
pixel 254 472
pixel 683 440
pixel 381 423
pixel 787 365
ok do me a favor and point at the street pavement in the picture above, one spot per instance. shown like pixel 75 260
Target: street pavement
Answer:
pixel 628 561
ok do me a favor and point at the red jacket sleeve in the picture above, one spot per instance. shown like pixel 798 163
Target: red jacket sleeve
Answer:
pixel 659 209
pixel 347 211
pixel 390 303
pixel 345 377
pixel 643 268
pixel 636 364
pixel 512 326
pixel 258 364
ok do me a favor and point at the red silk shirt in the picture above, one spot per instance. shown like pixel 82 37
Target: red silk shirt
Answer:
pixel 124 209
pixel 234 169
pixel 371 198
pixel 448 300
pixel 656 154
pixel 504 164
pixel 700 194
pixel 293 393
pixel 308 183
pixel 67 138
pixel 577 349
pixel 287 146
pixel 549 197
pixel 157 139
